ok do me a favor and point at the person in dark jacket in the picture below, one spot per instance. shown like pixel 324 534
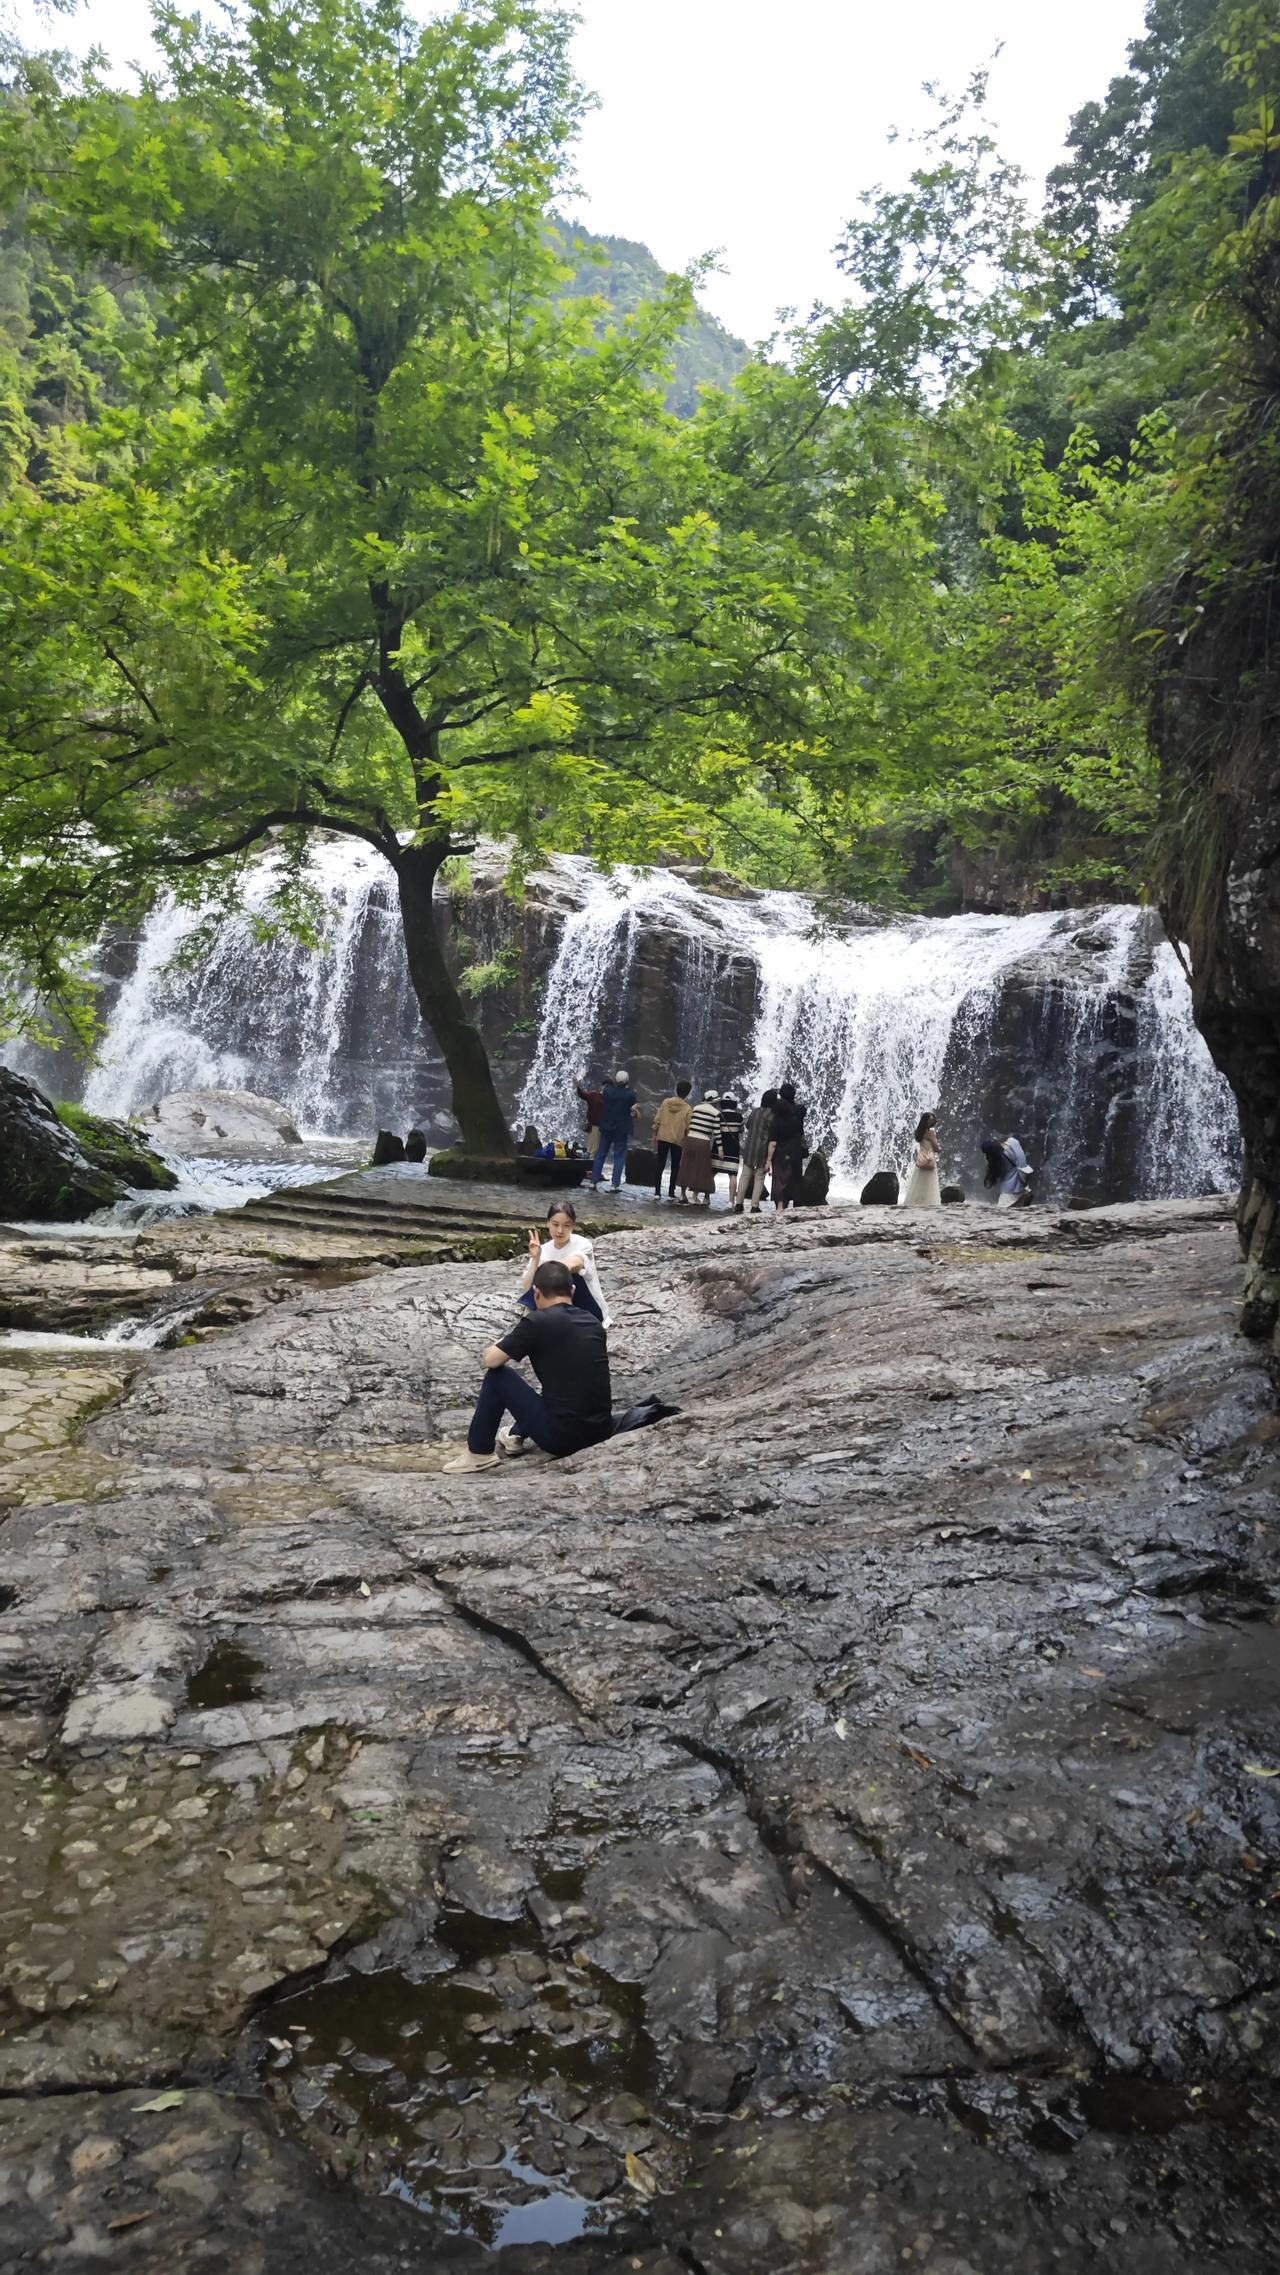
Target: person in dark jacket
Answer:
pixel 786 1147
pixel 755 1153
pixel 593 1105
pixel 618 1104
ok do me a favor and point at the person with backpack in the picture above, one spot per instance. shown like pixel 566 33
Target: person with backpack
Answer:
pixel 1008 1170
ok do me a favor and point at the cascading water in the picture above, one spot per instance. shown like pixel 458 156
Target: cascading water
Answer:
pixel 874 1023
pixel 261 1013
pixel 1073 1027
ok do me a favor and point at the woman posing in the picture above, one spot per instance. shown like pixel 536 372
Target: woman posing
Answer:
pixel 564 1244
pixel 697 1177
pixel 924 1190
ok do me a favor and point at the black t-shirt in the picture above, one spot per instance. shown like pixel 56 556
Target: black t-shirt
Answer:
pixel 570 1358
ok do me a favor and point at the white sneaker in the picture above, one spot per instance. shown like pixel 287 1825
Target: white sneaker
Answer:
pixel 509 1442
pixel 462 1464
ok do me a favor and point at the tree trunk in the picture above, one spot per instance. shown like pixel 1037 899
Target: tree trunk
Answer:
pixel 476 1106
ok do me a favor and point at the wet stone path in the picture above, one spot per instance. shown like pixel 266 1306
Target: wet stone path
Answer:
pixel 838 1830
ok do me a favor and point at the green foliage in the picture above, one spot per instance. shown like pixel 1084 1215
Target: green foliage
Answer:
pixel 340 493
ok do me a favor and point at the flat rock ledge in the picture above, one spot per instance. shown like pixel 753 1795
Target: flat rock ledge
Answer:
pixel 834 1833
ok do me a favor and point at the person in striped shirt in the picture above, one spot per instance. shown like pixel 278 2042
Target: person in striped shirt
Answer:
pixel 697 1177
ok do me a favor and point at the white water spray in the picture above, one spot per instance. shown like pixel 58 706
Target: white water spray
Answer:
pixel 874 1022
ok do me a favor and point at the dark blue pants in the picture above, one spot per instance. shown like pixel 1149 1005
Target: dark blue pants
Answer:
pixel 582 1296
pixel 505 1391
pixel 610 1138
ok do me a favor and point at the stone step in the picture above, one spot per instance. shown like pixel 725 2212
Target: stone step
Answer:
pixel 398 1225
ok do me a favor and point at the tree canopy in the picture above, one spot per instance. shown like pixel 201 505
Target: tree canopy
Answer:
pixel 344 490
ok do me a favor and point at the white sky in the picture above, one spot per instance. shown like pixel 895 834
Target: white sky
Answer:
pixel 751 125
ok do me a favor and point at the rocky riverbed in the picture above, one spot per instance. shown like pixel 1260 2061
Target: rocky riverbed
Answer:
pixel 838 1830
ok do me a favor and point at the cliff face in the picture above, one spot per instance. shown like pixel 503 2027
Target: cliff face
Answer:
pixel 1072 1028
pixel 1219 730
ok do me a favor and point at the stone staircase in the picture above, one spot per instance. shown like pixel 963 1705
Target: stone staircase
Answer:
pixel 393 1214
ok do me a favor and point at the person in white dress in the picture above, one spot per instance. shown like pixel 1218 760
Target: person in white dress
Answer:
pixel 924 1190
pixel 564 1244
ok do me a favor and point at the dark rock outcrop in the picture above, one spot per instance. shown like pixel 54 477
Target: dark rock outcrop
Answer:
pixel 387 1147
pixel 815 1183
pixel 44 1170
pixel 880 1191
pixel 953 1196
pixel 642 1165
pixel 415 1146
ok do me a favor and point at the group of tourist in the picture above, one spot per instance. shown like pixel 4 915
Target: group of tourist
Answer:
pixel 694 1144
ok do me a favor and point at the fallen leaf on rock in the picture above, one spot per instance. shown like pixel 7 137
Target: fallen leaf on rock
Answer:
pixel 173 2100
pixel 1025 1476
pixel 642 2176
pixel 365 1589
pixel 126 2220
pixel 1255 1769
pixel 923 1761
pixel 841 1727
pixel 1099 1673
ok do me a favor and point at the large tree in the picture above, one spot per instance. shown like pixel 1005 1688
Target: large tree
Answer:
pixel 393 540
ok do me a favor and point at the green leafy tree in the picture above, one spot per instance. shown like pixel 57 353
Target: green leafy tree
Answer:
pixel 393 542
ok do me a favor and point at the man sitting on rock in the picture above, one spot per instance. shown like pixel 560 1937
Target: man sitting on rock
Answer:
pixel 570 1357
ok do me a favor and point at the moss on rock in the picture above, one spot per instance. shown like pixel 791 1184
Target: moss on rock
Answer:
pixel 117 1148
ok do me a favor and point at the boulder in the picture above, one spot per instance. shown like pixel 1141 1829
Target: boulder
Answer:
pixel 953 1196
pixel 387 1147
pixel 479 1168
pixel 117 1148
pixel 880 1191
pixel 44 1170
pixel 235 1124
pixel 642 1165
pixel 415 1146
pixel 815 1183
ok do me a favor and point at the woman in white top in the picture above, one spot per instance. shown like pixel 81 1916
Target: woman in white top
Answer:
pixel 924 1190
pixel 566 1245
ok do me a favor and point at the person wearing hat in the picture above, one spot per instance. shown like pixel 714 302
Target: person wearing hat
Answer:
pixel 617 1105
pixel 697 1172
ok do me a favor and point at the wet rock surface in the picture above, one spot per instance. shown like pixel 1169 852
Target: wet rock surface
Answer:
pixel 836 1830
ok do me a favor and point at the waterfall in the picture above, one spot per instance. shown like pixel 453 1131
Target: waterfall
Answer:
pixel 261 1011
pixel 876 1022
pixel 1072 1026
pixel 1191 1139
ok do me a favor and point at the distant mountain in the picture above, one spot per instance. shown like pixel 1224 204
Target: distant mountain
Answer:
pixel 705 356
